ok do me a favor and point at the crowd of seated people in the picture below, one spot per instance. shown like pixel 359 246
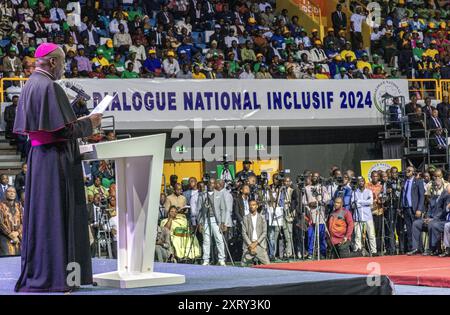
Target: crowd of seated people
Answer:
pixel 225 39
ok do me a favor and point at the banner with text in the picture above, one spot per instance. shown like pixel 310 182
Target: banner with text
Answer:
pixel 163 104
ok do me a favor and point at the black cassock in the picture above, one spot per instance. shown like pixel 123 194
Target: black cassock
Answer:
pixel 55 243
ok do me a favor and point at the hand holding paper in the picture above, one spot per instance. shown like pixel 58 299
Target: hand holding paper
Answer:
pixel 103 105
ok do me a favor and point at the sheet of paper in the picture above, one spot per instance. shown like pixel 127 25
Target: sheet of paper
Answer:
pixel 103 105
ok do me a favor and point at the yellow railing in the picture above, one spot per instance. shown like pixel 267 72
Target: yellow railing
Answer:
pixel 2 86
pixel 445 88
pixel 425 87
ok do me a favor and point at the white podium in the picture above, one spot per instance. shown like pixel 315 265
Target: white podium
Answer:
pixel 139 166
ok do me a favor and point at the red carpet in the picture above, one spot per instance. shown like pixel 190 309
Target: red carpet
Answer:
pixel 408 270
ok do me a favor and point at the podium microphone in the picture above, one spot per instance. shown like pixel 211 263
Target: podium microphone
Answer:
pixel 80 92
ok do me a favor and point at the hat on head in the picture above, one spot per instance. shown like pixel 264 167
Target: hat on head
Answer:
pixel 375 56
pixel 338 58
pixel 247 162
pixel 330 29
pixel 314 30
pixel 390 23
pixel 152 51
pixel 217 26
pixel 317 42
pixel 365 55
pixel 100 51
pixel 109 43
pixel 12 49
pixel 433 42
pixel 80 47
pixel 259 55
pixel 251 20
pixel 44 49
pixel 170 54
pixel 343 69
pixel 31 49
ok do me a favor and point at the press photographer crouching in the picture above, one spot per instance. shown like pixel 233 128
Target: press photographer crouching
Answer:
pixel 340 226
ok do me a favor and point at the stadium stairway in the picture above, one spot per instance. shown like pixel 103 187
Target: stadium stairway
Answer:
pixel 10 163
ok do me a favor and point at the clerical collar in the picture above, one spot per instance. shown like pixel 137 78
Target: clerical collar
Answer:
pixel 46 73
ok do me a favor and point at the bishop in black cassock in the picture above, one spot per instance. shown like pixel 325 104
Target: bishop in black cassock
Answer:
pixel 55 244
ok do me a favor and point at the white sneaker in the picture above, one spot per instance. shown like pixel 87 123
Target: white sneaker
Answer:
pixel 205 263
pixel 222 263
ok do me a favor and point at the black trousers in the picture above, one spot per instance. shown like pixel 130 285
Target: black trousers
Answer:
pixel 343 250
pixel 409 219
pixel 378 224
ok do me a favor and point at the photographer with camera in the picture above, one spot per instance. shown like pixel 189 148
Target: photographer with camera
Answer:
pixel 280 216
pixel 316 197
pixel 362 216
pixel 343 190
pixel 246 172
pixel 412 198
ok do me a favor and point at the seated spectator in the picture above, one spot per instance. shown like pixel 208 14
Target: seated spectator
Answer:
pixel 163 246
pixel 97 188
pixel 170 65
pixel 129 73
pixel 11 217
pixel 184 242
pixel 100 59
pixel 152 65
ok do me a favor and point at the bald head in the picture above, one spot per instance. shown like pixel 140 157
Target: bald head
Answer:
pixel 53 63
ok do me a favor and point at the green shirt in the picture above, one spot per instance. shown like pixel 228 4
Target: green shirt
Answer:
pixel 112 76
pixel 133 14
pixel 234 66
pixel 130 75
pixel 417 53
pixel 108 53
pixel 377 65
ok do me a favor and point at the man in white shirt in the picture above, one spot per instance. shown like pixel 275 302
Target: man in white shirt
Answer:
pixel 230 38
pixel 170 65
pixel 139 49
pixel 122 40
pixel 319 57
pixel 247 74
pixel 363 201
pixel 356 21
pixel 254 234
pixel 57 14
pixel 114 24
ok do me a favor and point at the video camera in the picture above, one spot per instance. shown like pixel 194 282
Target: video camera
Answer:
pixel 263 179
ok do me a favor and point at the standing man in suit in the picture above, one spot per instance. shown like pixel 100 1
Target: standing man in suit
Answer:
pixel 412 198
pixel 212 219
pixel 228 198
pixel 254 234
pixel 4 184
pixel 339 19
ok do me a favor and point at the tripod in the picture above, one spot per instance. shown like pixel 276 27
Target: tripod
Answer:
pixel 300 210
pixel 284 228
pixel 104 234
pixel 318 217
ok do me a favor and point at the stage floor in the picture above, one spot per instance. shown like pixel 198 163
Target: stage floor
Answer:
pixel 402 270
pixel 210 279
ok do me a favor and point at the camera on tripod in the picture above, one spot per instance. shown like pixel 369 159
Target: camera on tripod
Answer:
pixel 205 179
pixel 301 181
pixel 263 179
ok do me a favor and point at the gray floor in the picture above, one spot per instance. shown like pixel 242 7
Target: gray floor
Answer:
pixel 200 278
